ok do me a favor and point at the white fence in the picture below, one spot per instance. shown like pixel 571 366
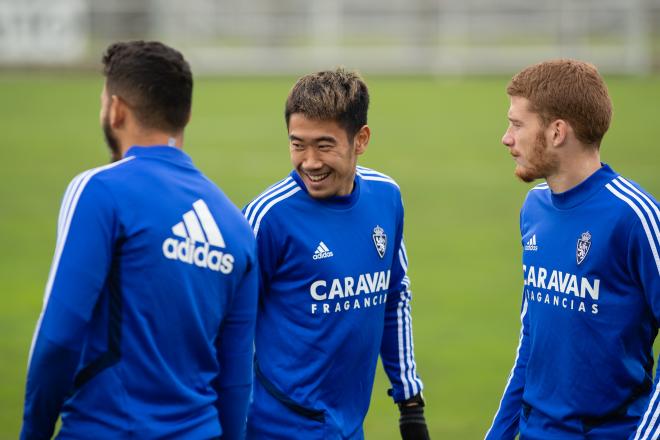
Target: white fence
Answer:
pixel 376 36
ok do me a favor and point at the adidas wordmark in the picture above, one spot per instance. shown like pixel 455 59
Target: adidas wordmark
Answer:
pixel 322 251
pixel 531 244
pixel 199 232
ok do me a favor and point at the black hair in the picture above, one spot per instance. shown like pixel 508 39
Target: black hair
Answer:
pixel 338 95
pixel 153 79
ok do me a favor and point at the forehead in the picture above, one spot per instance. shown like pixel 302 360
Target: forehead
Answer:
pixel 520 109
pixel 305 128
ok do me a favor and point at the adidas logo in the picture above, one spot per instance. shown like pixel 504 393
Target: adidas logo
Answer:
pixel 322 251
pixel 197 233
pixel 531 244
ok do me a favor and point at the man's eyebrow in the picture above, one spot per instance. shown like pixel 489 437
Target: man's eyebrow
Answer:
pixel 315 140
pixel 325 139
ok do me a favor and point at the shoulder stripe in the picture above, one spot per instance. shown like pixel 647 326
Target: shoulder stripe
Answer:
pixel 651 217
pixel 370 172
pixel 378 179
pixel 540 186
pixel 366 170
pixel 272 203
pixel 69 203
pixel 373 175
pixel 265 193
pixel 515 362
pixel 650 202
pixel 634 207
pixel 66 201
pixel 274 192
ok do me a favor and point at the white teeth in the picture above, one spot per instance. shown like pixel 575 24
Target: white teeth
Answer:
pixel 317 178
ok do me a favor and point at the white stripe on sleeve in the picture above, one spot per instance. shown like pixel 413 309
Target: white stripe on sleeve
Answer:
pixel 646 415
pixel 68 206
pixel 400 336
pixel 409 346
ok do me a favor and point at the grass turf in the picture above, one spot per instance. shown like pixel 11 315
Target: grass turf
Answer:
pixel 439 137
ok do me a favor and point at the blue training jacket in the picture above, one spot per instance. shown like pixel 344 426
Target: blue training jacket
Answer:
pixel 590 313
pixel 334 294
pixel 148 319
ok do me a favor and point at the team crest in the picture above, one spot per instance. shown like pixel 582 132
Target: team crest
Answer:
pixel 380 240
pixel 583 246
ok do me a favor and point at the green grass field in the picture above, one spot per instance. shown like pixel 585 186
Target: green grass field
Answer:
pixel 440 138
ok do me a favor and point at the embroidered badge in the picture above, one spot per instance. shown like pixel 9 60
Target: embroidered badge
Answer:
pixel 380 240
pixel 583 246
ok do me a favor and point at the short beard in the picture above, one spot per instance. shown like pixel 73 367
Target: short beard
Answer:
pixel 111 140
pixel 542 163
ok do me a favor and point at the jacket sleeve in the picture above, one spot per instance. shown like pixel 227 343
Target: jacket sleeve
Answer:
pixel 644 264
pixel 505 425
pixel 83 253
pixel 506 421
pixel 397 348
pixel 235 354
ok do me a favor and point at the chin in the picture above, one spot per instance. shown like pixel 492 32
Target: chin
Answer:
pixel 318 194
pixel 526 175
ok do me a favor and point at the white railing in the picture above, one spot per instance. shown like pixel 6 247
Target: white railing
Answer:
pixel 376 36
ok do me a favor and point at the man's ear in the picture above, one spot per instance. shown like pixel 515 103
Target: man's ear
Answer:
pixel 118 112
pixel 361 139
pixel 559 132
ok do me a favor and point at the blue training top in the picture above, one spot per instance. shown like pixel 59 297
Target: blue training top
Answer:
pixel 148 318
pixel 590 313
pixel 334 295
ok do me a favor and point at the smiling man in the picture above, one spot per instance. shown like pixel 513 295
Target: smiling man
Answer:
pixel 591 271
pixel 334 291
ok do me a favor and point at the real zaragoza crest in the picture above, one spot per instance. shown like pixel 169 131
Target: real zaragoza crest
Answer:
pixel 583 246
pixel 380 240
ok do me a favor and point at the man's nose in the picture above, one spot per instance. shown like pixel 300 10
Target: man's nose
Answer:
pixel 311 159
pixel 507 139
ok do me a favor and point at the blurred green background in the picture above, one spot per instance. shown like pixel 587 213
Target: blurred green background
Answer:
pixel 439 137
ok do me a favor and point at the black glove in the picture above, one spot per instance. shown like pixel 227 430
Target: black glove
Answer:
pixel 412 423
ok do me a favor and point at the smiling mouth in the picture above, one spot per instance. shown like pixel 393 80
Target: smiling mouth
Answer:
pixel 317 177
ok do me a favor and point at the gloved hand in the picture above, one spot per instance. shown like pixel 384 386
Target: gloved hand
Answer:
pixel 412 423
